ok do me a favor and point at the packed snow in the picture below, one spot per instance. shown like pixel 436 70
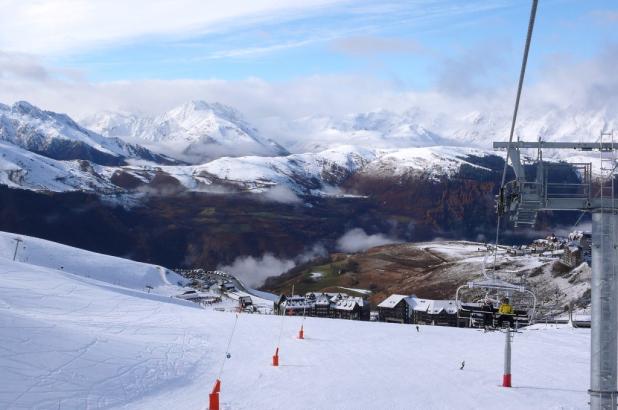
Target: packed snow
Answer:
pixel 109 269
pixel 70 341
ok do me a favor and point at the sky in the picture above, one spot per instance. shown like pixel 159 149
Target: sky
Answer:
pixel 287 59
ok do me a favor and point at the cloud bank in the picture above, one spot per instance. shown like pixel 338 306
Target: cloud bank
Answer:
pixel 254 271
pixel 357 240
pixel 323 101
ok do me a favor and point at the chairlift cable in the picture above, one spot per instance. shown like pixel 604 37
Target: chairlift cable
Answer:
pixel 522 74
pixel 227 349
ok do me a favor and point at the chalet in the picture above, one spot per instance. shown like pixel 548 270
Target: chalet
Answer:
pixel 435 312
pixel 572 256
pixel 229 287
pixel 584 241
pixel 203 298
pixel 395 309
pixel 322 306
pixel 328 305
pixel 297 305
pixel 245 302
pixel 350 308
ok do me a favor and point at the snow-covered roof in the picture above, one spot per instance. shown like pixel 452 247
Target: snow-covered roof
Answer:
pixel 196 295
pixel 349 303
pixel 322 300
pixel 436 306
pixel 393 300
pixel 573 249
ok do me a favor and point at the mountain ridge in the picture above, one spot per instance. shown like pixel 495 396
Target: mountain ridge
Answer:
pixel 195 132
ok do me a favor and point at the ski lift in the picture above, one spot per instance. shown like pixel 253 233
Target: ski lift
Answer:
pixel 473 296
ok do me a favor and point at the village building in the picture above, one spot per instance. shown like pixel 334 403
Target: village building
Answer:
pixel 322 306
pixel 349 308
pixel 327 305
pixel 245 302
pixel 395 309
pixel 203 298
pixel 572 256
pixel 435 312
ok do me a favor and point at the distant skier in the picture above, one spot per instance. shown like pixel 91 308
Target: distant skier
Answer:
pixel 417 329
pixel 462 365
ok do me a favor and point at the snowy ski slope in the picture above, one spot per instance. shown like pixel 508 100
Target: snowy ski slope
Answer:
pixel 109 269
pixel 69 341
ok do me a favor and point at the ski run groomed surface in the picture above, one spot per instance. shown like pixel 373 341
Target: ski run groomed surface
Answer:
pixel 69 341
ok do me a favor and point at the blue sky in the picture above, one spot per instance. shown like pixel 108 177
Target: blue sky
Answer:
pixel 288 59
pixel 414 43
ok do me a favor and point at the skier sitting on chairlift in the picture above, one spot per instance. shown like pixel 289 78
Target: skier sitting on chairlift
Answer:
pixel 488 314
pixel 505 313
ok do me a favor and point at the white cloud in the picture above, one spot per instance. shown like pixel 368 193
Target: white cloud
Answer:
pixel 282 194
pixel 584 91
pixel 253 271
pixel 357 240
pixel 69 26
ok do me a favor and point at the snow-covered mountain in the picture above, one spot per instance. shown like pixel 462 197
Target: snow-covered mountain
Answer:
pixel 419 128
pixel 304 174
pixel 57 136
pixel 42 150
pixel 317 172
pixel 23 169
pixel 195 132
pixel 378 129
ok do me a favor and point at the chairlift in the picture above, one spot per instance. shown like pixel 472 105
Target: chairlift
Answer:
pixel 471 296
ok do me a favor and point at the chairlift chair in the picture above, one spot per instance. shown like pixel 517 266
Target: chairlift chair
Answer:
pixel 470 296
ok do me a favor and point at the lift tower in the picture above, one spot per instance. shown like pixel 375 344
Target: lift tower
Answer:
pixel 522 199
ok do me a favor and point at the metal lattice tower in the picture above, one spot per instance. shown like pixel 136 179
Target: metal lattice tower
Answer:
pixel 522 199
pixel 604 344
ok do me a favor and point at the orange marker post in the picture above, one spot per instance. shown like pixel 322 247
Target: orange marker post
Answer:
pixel 276 358
pixel 301 333
pixel 214 396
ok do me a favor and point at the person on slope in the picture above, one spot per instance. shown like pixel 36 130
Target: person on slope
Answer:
pixel 505 313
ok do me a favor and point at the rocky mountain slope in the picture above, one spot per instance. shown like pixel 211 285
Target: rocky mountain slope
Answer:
pixel 212 213
pixel 435 270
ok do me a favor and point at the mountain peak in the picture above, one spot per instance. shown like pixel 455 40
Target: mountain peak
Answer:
pixel 196 132
pixel 201 107
pixel 24 107
pixel 57 136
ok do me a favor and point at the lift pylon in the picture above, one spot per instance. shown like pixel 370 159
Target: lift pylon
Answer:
pixel 522 199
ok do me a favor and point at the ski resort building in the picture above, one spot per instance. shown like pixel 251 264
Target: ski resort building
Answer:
pixel 411 309
pixel 328 305
pixel 202 298
pixel 353 308
pixel 395 309
pixel 572 256
pixel 435 312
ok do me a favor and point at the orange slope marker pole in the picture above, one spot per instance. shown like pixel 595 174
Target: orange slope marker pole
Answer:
pixel 213 397
pixel 301 332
